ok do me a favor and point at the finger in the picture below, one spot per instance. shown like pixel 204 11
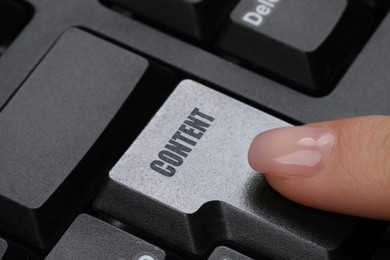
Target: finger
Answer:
pixel 341 166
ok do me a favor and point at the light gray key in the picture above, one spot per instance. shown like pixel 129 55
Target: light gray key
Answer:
pixel 219 157
pixel 186 181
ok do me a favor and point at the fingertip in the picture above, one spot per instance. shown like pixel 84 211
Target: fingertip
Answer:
pixel 291 151
pixel 350 176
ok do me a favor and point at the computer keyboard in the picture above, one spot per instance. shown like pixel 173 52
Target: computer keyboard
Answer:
pixel 125 125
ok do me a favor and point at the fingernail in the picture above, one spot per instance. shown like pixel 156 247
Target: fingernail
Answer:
pixel 292 151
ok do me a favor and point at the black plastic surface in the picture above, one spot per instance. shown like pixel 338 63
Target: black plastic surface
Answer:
pixel 90 238
pixel 50 126
pixel 362 91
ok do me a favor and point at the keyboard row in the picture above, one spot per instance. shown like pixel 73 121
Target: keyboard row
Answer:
pixel 77 128
pixel 91 238
pixel 202 19
pixel 307 45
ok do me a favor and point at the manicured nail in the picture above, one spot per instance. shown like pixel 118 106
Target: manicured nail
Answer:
pixel 292 151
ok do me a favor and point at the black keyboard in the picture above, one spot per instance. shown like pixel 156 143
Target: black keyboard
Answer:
pixel 125 124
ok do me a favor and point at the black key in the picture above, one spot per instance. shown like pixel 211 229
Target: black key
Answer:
pixel 90 238
pixel 186 181
pixel 307 44
pixel 225 253
pixel 12 17
pixel 3 247
pixel 54 132
pixel 197 19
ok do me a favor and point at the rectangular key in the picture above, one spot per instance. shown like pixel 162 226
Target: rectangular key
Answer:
pixel 91 238
pixel 306 44
pixel 186 180
pixel 197 19
pixel 12 17
pixel 55 130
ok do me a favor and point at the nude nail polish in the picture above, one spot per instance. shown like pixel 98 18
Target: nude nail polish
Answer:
pixel 292 151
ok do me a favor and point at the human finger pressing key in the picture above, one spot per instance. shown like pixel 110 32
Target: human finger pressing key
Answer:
pixel 341 166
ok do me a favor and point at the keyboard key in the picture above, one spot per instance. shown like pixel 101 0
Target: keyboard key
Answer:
pixel 306 44
pixel 90 238
pixel 197 19
pixel 3 248
pixel 54 132
pixel 225 253
pixel 12 17
pixel 186 181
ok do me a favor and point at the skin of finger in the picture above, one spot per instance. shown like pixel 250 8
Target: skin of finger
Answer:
pixel 356 179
